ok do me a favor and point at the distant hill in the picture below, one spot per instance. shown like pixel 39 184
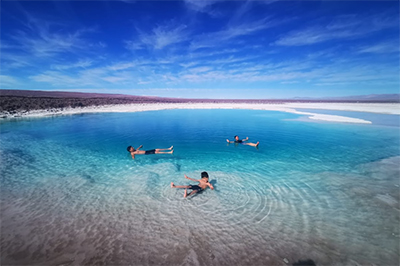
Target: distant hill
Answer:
pixel 65 94
pixel 26 100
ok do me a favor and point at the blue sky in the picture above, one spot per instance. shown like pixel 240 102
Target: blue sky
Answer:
pixel 198 49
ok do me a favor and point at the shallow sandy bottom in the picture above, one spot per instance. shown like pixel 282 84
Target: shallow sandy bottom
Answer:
pixel 72 196
pixel 382 108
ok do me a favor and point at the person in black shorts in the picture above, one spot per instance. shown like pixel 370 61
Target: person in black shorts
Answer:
pixel 203 184
pixel 242 141
pixel 134 151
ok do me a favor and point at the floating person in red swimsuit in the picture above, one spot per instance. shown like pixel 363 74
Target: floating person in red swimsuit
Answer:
pixel 203 184
pixel 242 141
pixel 134 151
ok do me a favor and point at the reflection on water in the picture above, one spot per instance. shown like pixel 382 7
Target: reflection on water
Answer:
pixel 78 198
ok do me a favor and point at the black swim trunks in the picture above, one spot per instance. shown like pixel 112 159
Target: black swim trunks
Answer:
pixel 150 152
pixel 238 141
pixel 196 187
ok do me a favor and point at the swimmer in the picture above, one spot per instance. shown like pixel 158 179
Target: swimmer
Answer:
pixel 134 151
pixel 242 141
pixel 203 184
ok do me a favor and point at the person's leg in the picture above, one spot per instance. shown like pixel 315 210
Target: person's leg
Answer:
pixel 251 144
pixel 168 149
pixel 163 152
pixel 191 193
pixel 173 185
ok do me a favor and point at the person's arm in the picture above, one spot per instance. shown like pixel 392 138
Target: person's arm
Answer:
pixel 227 140
pixel 246 139
pixel 141 146
pixel 133 155
pixel 195 180
pixel 211 186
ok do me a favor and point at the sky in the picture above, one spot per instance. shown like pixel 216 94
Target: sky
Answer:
pixel 202 49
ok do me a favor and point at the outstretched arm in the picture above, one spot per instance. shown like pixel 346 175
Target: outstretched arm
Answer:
pixel 141 146
pixel 133 155
pixel 195 180
pixel 227 140
pixel 211 186
pixel 246 139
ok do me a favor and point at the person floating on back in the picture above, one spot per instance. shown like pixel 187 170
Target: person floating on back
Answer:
pixel 134 151
pixel 203 184
pixel 242 141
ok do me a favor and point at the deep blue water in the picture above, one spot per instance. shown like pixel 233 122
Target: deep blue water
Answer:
pixel 324 191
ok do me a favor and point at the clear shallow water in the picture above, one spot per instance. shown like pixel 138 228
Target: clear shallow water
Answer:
pixel 71 194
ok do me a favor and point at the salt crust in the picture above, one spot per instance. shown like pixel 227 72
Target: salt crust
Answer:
pixel 382 108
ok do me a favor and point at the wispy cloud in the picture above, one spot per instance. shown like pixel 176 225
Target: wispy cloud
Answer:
pixel 221 37
pixel 7 82
pixel 229 70
pixel 45 38
pixel 57 79
pixel 160 37
pixel 122 66
pixel 88 77
pixel 114 79
pixel 202 6
pixel 11 60
pixel 199 69
pixel 80 64
pixel 341 27
pixel 193 50
pixel 381 48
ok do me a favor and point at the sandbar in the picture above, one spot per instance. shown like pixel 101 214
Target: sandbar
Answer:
pixel 381 108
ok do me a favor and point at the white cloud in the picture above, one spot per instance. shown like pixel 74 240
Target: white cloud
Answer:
pixel 222 37
pixel 189 64
pixel 160 37
pixel 42 38
pixel 201 6
pixel 12 60
pixel 122 66
pixel 381 48
pixel 238 69
pixel 341 27
pixel 310 36
pixel 114 79
pixel 8 82
pixel 80 64
pixel 58 79
pixel 199 69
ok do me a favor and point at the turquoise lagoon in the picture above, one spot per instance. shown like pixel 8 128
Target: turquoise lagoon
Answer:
pixel 72 195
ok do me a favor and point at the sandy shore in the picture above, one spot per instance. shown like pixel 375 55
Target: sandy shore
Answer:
pixel 382 108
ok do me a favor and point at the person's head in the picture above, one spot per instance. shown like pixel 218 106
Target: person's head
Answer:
pixel 130 149
pixel 204 175
pixel 236 137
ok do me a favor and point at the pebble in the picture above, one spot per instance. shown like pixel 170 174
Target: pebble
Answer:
pixel 286 260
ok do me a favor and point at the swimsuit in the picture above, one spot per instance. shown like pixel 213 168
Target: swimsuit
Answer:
pixel 150 152
pixel 196 187
pixel 238 141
